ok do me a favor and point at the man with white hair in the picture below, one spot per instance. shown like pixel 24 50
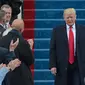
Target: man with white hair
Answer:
pixel 8 15
pixel 2 18
pixel 67 51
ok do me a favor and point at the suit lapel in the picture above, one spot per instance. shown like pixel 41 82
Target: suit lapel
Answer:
pixel 65 34
pixel 77 33
pixel 77 39
pixel 1 29
pixel 1 26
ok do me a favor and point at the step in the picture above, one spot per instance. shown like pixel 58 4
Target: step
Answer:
pixel 29 4
pixel 43 54
pixel 43 33
pixel 59 4
pixel 46 23
pixel 42 43
pixel 38 33
pixel 30 14
pixel 29 24
pixel 51 24
pixel 41 64
pixel 51 14
pixel 28 34
pixel 44 82
pixel 43 75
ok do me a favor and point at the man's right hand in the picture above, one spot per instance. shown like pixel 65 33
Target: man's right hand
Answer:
pixel 13 45
pixel 31 42
pixel 14 64
pixel 54 70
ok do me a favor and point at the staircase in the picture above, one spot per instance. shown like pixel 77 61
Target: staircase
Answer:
pixel 29 20
pixel 40 17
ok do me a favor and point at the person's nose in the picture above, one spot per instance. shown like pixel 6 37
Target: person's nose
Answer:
pixel 69 19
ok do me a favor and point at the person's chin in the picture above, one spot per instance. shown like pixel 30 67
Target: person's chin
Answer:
pixel 70 24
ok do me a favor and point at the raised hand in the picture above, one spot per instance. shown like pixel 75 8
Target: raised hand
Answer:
pixel 31 42
pixel 13 45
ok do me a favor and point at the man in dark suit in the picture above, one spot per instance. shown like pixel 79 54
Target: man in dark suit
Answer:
pixel 2 18
pixel 67 51
pixel 15 5
pixel 6 55
pixel 8 10
pixel 21 75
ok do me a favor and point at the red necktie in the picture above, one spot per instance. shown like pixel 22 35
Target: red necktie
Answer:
pixel 71 46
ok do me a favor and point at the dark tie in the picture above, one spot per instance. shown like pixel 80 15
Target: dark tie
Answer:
pixel 71 46
pixel 5 26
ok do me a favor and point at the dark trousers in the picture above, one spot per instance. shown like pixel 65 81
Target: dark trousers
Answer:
pixel 73 77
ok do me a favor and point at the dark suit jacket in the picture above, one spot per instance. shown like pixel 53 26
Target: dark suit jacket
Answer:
pixel 1 30
pixel 21 75
pixel 5 55
pixel 59 53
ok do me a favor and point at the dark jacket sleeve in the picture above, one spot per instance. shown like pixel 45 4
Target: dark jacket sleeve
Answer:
pixel 6 55
pixel 23 51
pixel 53 56
pixel 26 53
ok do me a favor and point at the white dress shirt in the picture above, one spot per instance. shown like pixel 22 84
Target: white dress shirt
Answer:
pixel 6 25
pixel 6 31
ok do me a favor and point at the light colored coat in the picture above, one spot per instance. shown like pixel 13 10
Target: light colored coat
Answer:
pixel 3 72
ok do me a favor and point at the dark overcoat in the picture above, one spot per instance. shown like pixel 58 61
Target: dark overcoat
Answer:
pixel 59 53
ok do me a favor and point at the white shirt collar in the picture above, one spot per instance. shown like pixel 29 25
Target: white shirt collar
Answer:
pixel 73 26
pixel 7 23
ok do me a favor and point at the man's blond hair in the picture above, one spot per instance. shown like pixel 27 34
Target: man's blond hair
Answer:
pixel 69 11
